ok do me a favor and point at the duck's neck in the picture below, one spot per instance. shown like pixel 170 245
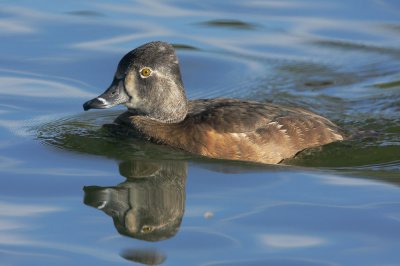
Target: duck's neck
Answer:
pixel 165 117
pixel 157 130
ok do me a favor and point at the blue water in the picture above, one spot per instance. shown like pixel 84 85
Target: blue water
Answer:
pixel 72 195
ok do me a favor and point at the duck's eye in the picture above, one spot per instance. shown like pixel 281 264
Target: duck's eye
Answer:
pixel 145 72
pixel 147 229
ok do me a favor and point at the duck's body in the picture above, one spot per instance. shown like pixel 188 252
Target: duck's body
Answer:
pixel 238 130
pixel 218 128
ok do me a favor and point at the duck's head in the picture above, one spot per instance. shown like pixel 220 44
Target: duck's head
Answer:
pixel 148 81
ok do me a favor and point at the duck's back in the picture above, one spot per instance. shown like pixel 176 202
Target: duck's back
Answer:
pixel 242 130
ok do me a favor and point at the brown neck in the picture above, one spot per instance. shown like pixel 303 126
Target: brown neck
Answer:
pixel 158 131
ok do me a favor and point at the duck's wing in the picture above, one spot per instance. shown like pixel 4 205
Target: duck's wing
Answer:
pixel 256 131
pixel 238 116
pixel 232 115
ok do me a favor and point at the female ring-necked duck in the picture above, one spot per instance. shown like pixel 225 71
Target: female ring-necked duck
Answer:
pixel 149 83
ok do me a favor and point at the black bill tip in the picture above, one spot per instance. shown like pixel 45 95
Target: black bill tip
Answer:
pixel 96 103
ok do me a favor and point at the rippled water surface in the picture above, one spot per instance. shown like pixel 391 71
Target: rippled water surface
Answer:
pixel 73 194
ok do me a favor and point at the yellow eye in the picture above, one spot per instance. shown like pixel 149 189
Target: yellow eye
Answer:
pixel 145 72
pixel 147 229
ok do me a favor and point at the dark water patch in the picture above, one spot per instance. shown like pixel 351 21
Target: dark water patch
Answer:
pixel 302 79
pixel 180 46
pixel 144 256
pixel 346 154
pixel 348 46
pixel 395 28
pixel 373 140
pixel 230 23
pixel 388 85
pixel 334 80
pixel 315 83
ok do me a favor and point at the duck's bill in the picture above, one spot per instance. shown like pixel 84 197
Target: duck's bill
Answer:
pixel 95 196
pixel 113 96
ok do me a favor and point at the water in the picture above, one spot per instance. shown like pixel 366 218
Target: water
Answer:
pixel 72 194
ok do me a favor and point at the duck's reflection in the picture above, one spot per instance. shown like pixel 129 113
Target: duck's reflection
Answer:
pixel 149 204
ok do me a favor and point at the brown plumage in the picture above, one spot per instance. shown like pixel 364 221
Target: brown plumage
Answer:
pixel 239 130
pixel 218 128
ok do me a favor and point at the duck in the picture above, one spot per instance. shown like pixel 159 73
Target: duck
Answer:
pixel 148 82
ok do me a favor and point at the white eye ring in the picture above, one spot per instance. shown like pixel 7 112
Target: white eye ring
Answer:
pixel 145 72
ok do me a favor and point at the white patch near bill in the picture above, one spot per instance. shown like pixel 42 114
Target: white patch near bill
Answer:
pixel 104 101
